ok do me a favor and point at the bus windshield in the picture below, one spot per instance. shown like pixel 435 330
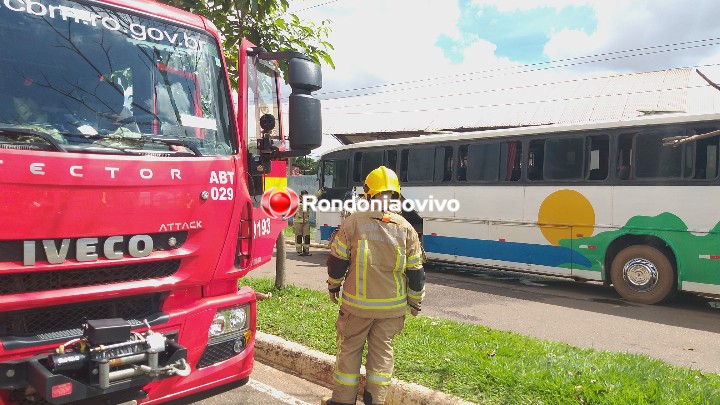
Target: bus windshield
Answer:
pixel 93 77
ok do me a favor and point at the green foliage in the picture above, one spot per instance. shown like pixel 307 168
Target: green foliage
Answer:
pixel 489 366
pixel 265 23
pixel 310 165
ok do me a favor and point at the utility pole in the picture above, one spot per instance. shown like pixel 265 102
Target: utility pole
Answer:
pixel 280 254
pixel 280 261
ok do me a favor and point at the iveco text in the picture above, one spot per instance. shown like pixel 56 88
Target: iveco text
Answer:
pixel 88 249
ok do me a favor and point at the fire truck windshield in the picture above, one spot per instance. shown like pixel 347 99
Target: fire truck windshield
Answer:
pixel 95 77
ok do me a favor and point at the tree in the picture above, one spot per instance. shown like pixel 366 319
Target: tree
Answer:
pixel 266 23
pixel 308 164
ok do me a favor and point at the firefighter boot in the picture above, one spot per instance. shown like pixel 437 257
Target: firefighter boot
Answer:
pixel 298 245
pixel 328 401
pixel 306 246
pixel 368 399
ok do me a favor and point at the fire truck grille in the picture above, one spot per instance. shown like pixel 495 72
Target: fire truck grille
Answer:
pixel 65 321
pixel 19 397
pixel 57 280
pixel 217 352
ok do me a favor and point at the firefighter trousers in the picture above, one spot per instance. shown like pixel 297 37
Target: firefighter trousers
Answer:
pixel 352 333
pixel 302 236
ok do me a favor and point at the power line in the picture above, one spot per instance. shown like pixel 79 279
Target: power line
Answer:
pixel 529 86
pixel 525 102
pixel 317 5
pixel 530 65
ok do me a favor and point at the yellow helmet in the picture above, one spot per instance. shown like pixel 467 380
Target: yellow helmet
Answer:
pixel 381 179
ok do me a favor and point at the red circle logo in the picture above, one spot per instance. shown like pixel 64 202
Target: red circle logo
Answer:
pixel 280 202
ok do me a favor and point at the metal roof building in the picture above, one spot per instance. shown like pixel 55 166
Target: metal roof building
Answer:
pixel 464 108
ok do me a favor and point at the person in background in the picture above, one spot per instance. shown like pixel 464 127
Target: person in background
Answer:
pixel 376 259
pixel 462 169
pixel 301 227
pixel 344 213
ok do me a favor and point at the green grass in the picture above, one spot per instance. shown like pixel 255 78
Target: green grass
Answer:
pixel 290 235
pixel 493 367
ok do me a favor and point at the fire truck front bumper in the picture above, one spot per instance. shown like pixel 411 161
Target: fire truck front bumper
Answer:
pixel 100 371
pixel 196 348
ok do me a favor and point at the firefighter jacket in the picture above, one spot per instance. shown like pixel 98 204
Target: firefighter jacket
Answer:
pixel 377 258
pixel 302 215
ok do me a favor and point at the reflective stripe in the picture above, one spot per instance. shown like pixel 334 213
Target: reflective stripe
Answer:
pixel 334 280
pixel 398 271
pixel 378 378
pixel 347 379
pixel 339 248
pixel 342 245
pixel 416 295
pixel 376 303
pixel 361 269
pixel 413 261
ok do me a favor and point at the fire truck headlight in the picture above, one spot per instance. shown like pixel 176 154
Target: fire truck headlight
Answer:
pixel 238 318
pixel 228 323
pixel 217 327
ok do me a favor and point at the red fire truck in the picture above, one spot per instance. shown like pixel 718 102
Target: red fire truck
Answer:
pixel 131 182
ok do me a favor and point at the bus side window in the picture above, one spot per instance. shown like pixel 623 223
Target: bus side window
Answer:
pixel 365 162
pixel 462 163
pixel 597 162
pixel 653 160
pixel 483 162
pixel 391 160
pixel 510 158
pixel 420 165
pixel 404 165
pixel 564 159
pixel 357 161
pixel 706 155
pixel 624 157
pixel 339 177
pixel 443 163
pixel 535 160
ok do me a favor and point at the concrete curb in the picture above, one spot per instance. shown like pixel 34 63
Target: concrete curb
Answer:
pixel 312 244
pixel 319 368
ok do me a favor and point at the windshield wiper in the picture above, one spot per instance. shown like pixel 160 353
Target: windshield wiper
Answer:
pixel 95 149
pixel 176 142
pixel 12 131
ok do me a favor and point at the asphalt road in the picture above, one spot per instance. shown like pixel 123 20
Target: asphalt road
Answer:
pixel 684 331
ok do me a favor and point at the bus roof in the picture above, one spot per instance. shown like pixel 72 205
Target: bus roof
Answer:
pixel 663 119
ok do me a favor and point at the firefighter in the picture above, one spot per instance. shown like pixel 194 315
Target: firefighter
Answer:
pixel 376 258
pixel 301 227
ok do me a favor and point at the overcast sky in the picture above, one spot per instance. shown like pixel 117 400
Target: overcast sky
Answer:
pixel 400 49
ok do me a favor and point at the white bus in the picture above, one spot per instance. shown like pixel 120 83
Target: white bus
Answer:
pixel 604 201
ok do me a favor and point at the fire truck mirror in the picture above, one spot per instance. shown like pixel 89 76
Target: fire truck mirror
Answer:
pixel 304 77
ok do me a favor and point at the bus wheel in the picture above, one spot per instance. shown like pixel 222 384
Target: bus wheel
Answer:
pixel 642 274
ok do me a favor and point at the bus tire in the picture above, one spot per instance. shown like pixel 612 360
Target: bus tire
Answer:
pixel 642 274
